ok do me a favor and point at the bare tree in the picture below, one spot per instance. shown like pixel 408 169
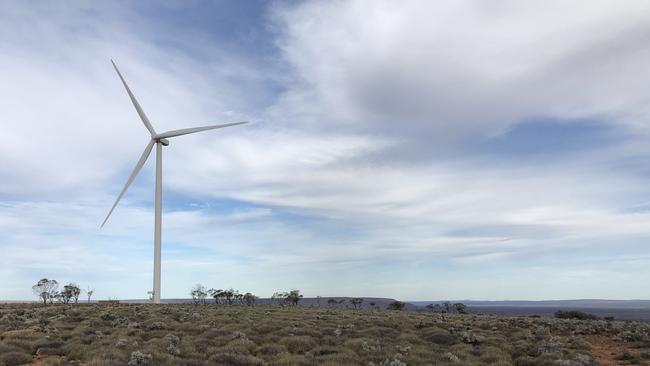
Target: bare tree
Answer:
pixel 46 289
pixel 89 293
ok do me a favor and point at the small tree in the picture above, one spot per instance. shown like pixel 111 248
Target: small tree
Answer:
pixel 70 292
pixel 249 299
pixel 460 308
pixel 216 294
pixel 199 293
pixel 356 302
pixel 294 297
pixel 45 289
pixel 396 305
pixel 448 307
pixel 76 291
pixel 331 302
pixel 65 295
pixel 230 295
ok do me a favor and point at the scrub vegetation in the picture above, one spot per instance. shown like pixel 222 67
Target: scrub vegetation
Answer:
pixel 223 334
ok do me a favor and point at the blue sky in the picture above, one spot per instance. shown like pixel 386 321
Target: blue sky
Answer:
pixel 414 150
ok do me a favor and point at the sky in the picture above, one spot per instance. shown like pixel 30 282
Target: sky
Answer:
pixel 415 150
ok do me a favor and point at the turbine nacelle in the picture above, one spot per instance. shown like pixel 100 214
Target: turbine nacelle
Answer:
pixel 163 141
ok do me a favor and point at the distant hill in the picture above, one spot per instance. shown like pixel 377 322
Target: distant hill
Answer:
pixel 583 303
pixel 619 309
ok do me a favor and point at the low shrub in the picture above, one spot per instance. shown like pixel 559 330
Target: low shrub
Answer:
pixel 139 358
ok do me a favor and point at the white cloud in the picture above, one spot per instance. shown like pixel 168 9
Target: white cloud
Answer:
pixel 466 68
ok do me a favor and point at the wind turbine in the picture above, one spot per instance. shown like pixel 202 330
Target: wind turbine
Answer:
pixel 160 140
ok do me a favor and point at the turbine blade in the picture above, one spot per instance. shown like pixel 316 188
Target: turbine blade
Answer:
pixel 143 116
pixel 136 170
pixel 187 131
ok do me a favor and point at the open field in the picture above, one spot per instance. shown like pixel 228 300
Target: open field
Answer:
pixel 176 334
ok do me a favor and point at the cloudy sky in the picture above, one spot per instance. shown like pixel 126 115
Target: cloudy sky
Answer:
pixel 414 149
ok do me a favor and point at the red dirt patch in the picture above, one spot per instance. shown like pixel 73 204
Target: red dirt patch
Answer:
pixel 605 350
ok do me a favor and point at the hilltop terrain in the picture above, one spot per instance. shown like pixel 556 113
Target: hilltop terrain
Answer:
pixel 182 334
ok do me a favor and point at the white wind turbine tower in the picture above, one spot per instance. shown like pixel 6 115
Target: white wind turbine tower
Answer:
pixel 160 140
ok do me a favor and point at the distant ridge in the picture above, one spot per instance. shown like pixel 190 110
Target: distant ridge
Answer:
pixel 583 303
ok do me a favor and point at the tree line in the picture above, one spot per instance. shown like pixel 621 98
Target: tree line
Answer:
pixel 230 296
pixel 48 291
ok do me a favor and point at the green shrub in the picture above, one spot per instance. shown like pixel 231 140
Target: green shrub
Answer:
pixel 139 359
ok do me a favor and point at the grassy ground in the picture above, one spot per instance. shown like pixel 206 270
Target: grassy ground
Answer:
pixel 271 335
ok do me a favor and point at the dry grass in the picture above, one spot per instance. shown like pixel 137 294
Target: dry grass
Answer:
pixel 103 335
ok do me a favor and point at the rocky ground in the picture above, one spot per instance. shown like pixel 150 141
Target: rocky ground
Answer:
pixel 180 334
